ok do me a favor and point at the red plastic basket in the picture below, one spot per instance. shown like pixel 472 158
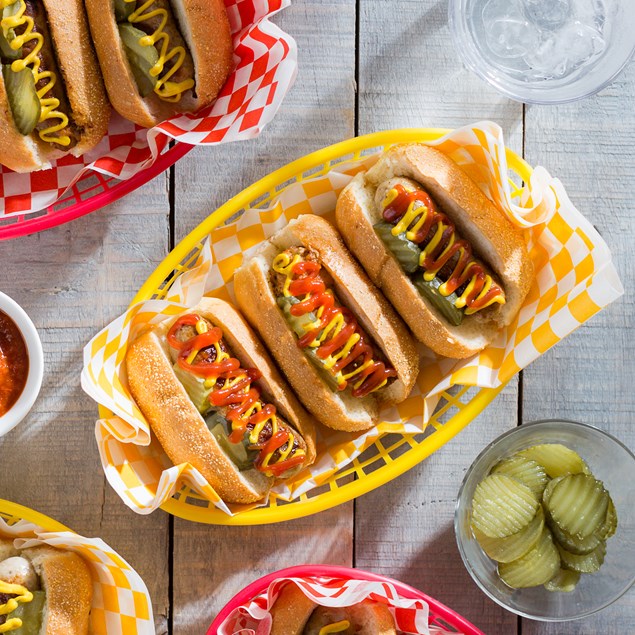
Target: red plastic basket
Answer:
pixel 440 615
pixel 90 193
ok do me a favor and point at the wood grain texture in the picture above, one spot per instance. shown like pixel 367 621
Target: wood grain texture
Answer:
pixel 405 530
pixel 72 280
pixel 589 377
pixel 211 564
pixel 410 75
pixel 319 110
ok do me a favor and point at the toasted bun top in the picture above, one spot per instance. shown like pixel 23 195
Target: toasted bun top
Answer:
pixel 89 107
pixel 175 420
pixel 69 590
pixel 246 347
pixel 353 288
pixel 498 243
pixel 66 579
pixel 365 618
pixel 205 27
pixel 495 238
pixel 80 71
pixel 291 611
pixel 206 32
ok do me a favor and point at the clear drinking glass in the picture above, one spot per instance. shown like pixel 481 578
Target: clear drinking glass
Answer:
pixel 544 51
pixel 610 462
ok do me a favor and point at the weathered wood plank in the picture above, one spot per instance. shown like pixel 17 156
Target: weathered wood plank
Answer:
pixel 213 563
pixel 72 280
pixel 410 76
pixel 589 377
pixel 319 110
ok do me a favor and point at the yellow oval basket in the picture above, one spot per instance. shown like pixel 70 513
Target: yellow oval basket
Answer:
pixel 390 455
pixel 13 513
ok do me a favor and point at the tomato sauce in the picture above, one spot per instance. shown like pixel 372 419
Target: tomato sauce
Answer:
pixel 466 269
pixel 14 363
pixel 236 393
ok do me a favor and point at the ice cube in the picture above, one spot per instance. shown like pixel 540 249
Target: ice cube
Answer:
pixel 547 14
pixel 511 38
pixel 562 52
pixel 496 10
pixel 591 12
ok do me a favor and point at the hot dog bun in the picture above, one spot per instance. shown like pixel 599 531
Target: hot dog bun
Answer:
pixel 82 82
pixel 295 614
pixel 201 27
pixel 177 423
pixel 496 240
pixel 66 580
pixel 338 410
pixel 291 611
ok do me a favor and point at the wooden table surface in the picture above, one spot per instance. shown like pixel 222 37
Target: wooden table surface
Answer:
pixel 364 65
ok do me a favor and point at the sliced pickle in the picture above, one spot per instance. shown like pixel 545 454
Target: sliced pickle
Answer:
pixel 546 495
pixel 326 375
pixel 502 506
pixel 525 470
pixel 514 546
pixel 405 251
pixel 31 615
pixel 587 563
pixel 536 567
pixel 564 581
pixel 7 54
pixel 443 304
pixel 578 504
pixel 556 458
pixel 242 458
pixel 578 546
pixel 609 526
pixel 195 388
pixel 123 10
pixel 141 58
pixel 300 324
pixel 23 100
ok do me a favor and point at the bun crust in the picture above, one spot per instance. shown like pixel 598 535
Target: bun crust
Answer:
pixel 175 420
pixel 338 410
pixel 90 110
pixel 68 584
pixel 204 27
pixel 69 590
pixel 496 241
pixel 366 618
pixel 293 613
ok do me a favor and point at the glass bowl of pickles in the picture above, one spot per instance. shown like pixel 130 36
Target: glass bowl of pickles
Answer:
pixel 545 520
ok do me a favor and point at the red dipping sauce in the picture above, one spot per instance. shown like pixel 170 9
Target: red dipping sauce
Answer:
pixel 14 363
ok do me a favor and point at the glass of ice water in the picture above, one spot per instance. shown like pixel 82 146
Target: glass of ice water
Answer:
pixel 545 51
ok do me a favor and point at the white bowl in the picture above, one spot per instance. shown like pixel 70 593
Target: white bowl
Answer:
pixel 25 402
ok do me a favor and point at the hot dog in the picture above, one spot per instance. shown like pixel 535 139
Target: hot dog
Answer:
pixel 52 97
pixel 43 590
pixel 340 344
pixel 455 268
pixel 214 399
pixel 295 614
pixel 161 57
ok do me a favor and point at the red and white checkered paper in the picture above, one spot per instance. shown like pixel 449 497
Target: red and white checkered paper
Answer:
pixel 265 67
pixel 412 617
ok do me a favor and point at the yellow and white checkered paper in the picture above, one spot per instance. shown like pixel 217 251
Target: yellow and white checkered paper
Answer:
pixel 121 602
pixel 575 278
